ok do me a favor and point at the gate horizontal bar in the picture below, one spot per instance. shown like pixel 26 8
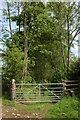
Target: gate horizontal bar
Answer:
pixel 41 101
pixel 72 85
pixel 37 93
pixel 41 84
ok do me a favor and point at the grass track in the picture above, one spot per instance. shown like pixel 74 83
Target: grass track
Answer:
pixel 66 108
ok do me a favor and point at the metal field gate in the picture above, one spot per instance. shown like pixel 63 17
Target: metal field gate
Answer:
pixel 46 92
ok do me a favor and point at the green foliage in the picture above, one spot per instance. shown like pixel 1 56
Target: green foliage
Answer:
pixel 74 71
pixel 66 108
pixel 57 75
pixel 14 63
pixel 12 67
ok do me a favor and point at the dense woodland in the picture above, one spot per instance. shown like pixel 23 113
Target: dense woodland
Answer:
pixel 39 49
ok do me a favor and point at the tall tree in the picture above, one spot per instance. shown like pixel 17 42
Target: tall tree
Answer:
pixel 58 13
pixel 61 8
pixel 72 12
pixel 9 20
pixel 19 15
pixel 25 43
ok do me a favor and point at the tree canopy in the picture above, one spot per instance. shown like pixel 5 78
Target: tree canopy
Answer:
pixel 39 48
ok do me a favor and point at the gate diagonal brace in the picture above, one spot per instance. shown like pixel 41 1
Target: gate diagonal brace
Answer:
pixel 31 90
pixel 50 91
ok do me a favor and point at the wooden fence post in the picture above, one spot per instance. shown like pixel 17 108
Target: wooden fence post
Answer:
pixel 13 89
pixel 64 87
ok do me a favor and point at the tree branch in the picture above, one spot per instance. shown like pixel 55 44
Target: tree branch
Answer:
pixel 74 30
pixel 74 37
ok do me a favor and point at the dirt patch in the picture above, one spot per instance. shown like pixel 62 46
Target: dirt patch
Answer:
pixel 17 112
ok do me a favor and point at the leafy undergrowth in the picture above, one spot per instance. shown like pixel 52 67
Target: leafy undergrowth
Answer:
pixel 66 108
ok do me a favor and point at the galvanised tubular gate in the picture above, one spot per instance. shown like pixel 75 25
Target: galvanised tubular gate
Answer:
pixel 43 92
pixel 49 92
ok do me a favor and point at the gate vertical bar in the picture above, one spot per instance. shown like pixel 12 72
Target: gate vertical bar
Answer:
pixel 15 90
pixel 39 92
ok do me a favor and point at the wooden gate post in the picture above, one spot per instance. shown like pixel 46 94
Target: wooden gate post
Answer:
pixel 64 87
pixel 13 89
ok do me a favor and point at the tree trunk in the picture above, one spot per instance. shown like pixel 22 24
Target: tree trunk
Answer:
pixel 62 50
pixel 68 59
pixel 63 54
pixel 60 36
pixel 9 21
pixel 18 16
pixel 68 32
pixel 25 44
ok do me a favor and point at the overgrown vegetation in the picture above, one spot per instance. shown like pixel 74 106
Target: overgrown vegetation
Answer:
pixel 66 108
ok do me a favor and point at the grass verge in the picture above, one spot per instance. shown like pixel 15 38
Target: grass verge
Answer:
pixel 36 107
pixel 7 102
pixel 66 108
